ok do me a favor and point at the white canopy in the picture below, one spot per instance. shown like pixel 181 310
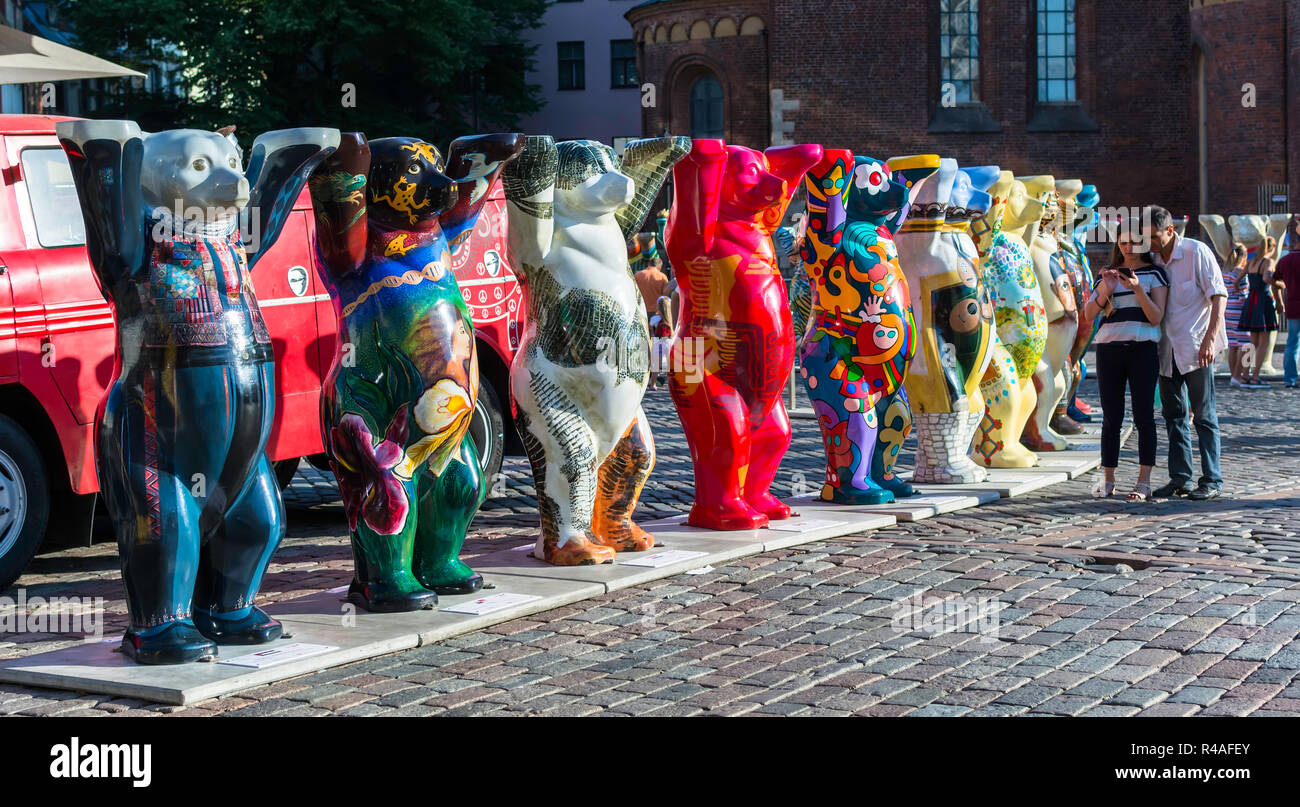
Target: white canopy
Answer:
pixel 25 58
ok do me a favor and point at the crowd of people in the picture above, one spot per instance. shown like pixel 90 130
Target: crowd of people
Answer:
pixel 1165 309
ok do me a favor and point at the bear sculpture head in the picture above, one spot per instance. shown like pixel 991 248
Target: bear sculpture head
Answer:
pixel 407 187
pixel 198 172
pixel 588 184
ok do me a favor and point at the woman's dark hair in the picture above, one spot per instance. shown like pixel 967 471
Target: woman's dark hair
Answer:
pixel 1130 229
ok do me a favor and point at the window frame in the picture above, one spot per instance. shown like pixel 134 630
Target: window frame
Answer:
pixel 1042 40
pixel 579 74
pixel 972 58
pixel 629 60
pixel 722 107
pixel 40 209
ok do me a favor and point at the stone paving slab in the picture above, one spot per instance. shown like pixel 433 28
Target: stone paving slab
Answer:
pixel 911 508
pixel 1073 463
pixel 1006 482
pixel 324 618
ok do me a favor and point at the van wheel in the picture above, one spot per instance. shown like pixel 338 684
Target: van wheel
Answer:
pixel 487 431
pixel 284 471
pixel 24 500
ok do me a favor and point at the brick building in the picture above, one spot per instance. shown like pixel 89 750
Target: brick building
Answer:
pixel 1179 102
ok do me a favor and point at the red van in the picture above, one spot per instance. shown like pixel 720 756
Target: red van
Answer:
pixel 56 343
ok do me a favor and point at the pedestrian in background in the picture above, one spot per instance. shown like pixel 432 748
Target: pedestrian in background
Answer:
pixel 1234 271
pixel 1194 334
pixel 651 281
pixel 1259 311
pixel 1128 304
pixel 1288 277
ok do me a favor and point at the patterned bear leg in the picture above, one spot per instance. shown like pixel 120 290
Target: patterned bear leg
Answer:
pixel 235 559
pixel 241 533
pixel 562 453
pixel 1061 422
pixel 895 417
pixel 717 431
pixel 1049 386
pixel 768 444
pixel 996 443
pixel 857 486
pixel 156 521
pixel 619 482
pixel 447 504
pixel 383 581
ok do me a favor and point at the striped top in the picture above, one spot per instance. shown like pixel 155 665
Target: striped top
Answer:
pixel 1127 322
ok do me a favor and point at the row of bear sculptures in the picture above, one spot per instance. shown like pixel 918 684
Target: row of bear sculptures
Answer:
pixel 935 297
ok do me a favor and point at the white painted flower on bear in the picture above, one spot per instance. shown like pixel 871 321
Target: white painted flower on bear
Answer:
pixel 871 177
pixel 442 413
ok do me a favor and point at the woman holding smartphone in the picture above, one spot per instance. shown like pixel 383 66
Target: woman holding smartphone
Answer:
pixel 1129 303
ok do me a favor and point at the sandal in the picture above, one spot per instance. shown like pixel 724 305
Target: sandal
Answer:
pixel 1104 491
pixel 1141 492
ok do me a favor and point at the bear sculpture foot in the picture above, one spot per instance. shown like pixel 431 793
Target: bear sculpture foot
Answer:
pixel 770 506
pixel 179 644
pixel 579 550
pixel 627 537
pixel 386 598
pixel 871 495
pixel 735 514
pixel 255 628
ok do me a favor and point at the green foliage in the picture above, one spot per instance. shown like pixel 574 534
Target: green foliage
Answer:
pixel 426 68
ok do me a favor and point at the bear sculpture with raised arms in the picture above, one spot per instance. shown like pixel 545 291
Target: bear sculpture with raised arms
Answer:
pixel 181 435
pixel 396 406
pixel 582 368
pixel 733 349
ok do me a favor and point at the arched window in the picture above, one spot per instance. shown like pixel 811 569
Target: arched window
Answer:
pixel 1055 47
pixel 706 108
pixel 959 50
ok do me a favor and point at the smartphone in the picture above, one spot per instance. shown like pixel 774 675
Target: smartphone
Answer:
pixel 1125 271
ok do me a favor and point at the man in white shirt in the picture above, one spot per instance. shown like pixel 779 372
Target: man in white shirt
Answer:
pixel 1194 334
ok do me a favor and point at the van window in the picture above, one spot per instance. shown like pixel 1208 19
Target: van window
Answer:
pixel 54 197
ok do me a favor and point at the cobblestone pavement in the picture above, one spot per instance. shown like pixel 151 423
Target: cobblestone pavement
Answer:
pixel 1051 603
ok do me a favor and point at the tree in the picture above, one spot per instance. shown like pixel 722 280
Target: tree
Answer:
pixel 425 68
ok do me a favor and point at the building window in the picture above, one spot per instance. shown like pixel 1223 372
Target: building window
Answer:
pixel 959 50
pixel 573 66
pixel 1056 51
pixel 622 63
pixel 706 108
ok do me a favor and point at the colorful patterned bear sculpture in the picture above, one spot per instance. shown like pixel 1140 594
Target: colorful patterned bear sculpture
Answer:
pixel 181 435
pixel 1062 317
pixel 954 321
pixel 1077 218
pixel 1008 274
pixel 862 336
pixel 396 405
pixel 1081 288
pixel 582 368
pixel 734 345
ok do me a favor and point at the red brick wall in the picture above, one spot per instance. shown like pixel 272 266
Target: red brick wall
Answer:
pixel 1293 104
pixel 1243 43
pixel 865 74
pixel 740 63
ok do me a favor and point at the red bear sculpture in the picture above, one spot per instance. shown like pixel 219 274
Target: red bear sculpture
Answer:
pixel 734 347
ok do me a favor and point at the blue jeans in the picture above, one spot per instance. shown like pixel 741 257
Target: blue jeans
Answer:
pixel 1198 386
pixel 1289 359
